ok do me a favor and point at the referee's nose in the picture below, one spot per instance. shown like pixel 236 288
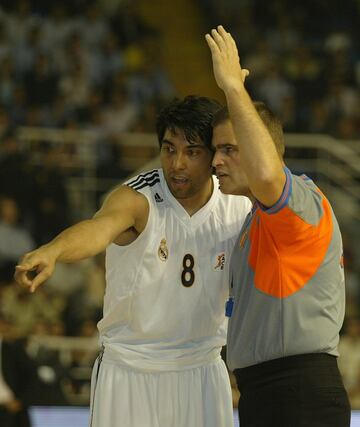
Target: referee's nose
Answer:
pixel 217 159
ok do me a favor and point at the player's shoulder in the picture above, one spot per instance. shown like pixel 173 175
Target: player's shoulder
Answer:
pixel 234 201
pixel 144 180
pixel 231 207
pixel 123 196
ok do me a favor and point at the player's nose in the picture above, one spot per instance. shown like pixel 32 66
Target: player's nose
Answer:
pixel 179 162
pixel 217 160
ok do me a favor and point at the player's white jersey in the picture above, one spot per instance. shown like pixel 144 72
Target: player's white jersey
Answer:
pixel 166 291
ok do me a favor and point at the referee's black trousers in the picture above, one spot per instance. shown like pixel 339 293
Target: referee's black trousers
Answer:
pixel 296 391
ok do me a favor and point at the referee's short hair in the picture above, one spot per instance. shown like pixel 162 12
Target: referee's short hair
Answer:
pixel 270 120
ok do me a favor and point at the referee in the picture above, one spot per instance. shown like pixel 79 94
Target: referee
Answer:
pixel 287 298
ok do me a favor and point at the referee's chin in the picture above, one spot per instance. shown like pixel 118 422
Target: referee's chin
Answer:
pixel 234 190
pixel 226 187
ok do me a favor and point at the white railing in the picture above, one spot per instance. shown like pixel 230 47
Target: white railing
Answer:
pixel 84 186
pixel 335 164
pixel 336 167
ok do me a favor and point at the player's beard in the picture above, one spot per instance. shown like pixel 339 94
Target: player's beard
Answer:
pixel 185 192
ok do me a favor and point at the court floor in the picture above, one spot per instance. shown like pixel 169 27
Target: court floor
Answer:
pixel 58 416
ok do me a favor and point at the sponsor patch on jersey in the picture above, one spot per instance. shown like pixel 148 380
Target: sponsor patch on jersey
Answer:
pixel 158 198
pixel 163 251
pixel 219 262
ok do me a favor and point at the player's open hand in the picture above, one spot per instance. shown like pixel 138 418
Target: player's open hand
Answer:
pixel 226 64
pixel 34 268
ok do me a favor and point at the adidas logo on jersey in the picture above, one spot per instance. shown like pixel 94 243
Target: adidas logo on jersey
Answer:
pixel 158 198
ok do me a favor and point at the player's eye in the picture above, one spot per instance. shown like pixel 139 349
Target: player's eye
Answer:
pixel 193 153
pixel 168 148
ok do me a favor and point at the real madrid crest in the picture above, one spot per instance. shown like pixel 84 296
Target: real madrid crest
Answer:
pixel 163 251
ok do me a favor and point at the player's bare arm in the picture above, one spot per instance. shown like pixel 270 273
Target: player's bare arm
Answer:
pixel 122 210
pixel 261 162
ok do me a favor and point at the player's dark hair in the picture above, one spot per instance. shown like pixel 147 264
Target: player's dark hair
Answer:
pixel 269 119
pixel 193 115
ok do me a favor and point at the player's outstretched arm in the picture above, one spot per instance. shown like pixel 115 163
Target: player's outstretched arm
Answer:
pixel 260 160
pixel 122 209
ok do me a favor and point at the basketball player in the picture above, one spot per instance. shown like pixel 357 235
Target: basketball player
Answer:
pixel 287 273
pixel 168 235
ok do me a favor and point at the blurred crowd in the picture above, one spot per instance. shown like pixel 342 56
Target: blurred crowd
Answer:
pixel 71 65
pixel 80 64
pixel 303 57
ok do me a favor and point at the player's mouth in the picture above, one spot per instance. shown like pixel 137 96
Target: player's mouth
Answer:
pixel 179 180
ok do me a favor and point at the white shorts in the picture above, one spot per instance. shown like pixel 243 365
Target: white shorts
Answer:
pixel 196 397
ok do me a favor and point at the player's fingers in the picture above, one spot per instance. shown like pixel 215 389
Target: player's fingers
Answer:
pixel 22 278
pixel 24 266
pixel 40 279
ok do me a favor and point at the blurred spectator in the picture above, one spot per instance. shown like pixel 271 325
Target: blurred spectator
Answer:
pixel 318 120
pixel 111 58
pixel 5 44
pixel 128 25
pixel 274 89
pixel 40 83
pixel 25 54
pixel 311 65
pixel 288 114
pixel 347 128
pixel 15 174
pixel 283 37
pixel 305 70
pixel 51 209
pixel 340 65
pixel 18 107
pixel 5 128
pixel 57 26
pixel 77 383
pixel 120 114
pixel 341 99
pixel 19 22
pixel 352 277
pixel 75 86
pixel 349 360
pixel 147 119
pixel 148 80
pixel 17 380
pixel 7 82
pixel 95 286
pixel 15 240
pixel 93 26
pixel 24 310
pixel 258 60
